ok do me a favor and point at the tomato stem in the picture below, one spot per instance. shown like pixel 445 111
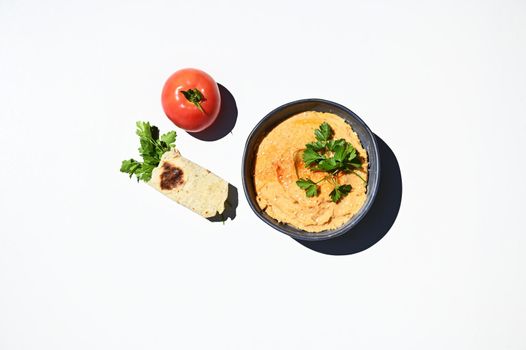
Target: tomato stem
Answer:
pixel 194 96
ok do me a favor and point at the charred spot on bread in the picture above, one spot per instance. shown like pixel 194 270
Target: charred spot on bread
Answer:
pixel 171 177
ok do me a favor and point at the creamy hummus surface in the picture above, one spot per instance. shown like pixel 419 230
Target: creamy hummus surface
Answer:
pixel 279 164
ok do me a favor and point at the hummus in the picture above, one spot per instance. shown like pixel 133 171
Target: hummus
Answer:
pixel 279 164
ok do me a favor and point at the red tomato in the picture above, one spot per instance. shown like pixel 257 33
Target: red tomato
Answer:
pixel 191 99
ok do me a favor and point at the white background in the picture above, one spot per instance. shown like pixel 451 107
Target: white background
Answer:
pixel 92 260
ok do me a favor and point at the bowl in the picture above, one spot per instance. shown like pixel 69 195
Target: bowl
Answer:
pixel 278 115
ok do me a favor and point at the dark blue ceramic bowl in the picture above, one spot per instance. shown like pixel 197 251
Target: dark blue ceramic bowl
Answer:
pixel 277 116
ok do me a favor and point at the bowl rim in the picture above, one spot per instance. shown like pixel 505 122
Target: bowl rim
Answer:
pixel 327 234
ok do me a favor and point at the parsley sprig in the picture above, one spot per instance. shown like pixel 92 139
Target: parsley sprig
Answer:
pixel 330 156
pixel 151 149
pixel 195 96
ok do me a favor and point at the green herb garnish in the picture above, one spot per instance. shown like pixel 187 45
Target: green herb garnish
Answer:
pixel 195 96
pixel 310 187
pixel 151 149
pixel 330 156
pixel 339 192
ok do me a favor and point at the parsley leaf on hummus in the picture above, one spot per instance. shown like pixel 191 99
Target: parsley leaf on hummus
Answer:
pixel 324 133
pixel 331 156
pixel 339 192
pixel 309 186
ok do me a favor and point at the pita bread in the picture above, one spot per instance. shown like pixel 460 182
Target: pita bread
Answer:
pixel 189 184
